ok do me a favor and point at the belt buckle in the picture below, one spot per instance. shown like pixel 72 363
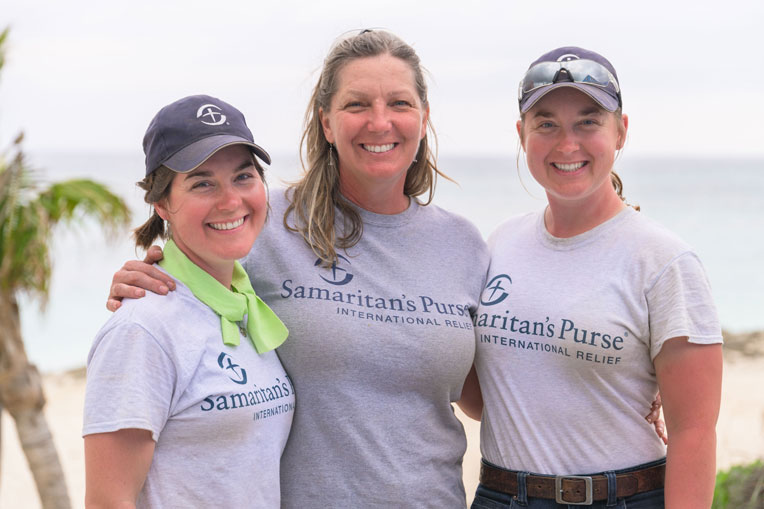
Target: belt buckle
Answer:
pixel 558 489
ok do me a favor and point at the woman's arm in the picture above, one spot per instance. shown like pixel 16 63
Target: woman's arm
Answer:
pixel 134 278
pixel 471 401
pixel 116 465
pixel 690 379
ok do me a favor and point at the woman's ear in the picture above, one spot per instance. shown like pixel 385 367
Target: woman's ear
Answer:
pixel 520 133
pixel 326 126
pixel 423 131
pixel 161 210
pixel 623 128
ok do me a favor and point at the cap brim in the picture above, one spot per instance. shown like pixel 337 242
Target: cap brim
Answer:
pixel 599 95
pixel 190 157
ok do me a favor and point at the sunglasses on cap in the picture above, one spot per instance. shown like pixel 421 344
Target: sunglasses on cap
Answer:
pixel 583 71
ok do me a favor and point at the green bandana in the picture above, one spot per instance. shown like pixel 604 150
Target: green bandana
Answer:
pixel 264 328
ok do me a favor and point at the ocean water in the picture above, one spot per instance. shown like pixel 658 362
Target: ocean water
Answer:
pixel 715 205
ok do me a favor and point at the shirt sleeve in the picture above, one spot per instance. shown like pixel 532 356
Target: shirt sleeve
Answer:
pixel 680 304
pixel 131 381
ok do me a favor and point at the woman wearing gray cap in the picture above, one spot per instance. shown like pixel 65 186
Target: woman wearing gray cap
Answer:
pixel 590 307
pixel 187 404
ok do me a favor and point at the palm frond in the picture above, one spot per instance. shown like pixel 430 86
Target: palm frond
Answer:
pixel 27 218
pixel 24 250
pixel 24 230
pixel 14 185
pixel 3 39
pixel 73 199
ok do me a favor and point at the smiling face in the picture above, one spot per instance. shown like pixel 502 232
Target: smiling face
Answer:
pixel 217 210
pixel 570 144
pixel 376 121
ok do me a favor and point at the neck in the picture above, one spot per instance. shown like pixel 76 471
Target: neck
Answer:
pixel 568 219
pixel 223 276
pixel 378 200
pixel 221 271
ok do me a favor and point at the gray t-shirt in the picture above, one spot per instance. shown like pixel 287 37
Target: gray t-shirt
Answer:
pixel 219 414
pixel 567 332
pixel 379 347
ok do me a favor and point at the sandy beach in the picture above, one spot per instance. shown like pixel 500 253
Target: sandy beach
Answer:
pixel 740 429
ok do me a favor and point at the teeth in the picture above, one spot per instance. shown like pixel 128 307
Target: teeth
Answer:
pixel 568 167
pixel 228 226
pixel 379 148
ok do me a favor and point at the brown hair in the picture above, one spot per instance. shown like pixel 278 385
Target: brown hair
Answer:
pixel 315 196
pixel 157 187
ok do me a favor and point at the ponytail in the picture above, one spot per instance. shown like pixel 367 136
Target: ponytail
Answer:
pixel 157 187
pixel 148 232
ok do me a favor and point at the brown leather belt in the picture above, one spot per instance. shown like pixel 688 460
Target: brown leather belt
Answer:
pixel 573 489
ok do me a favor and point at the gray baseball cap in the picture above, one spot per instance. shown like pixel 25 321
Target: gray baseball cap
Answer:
pixel 189 131
pixel 575 67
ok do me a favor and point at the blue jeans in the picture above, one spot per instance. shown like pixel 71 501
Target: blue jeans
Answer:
pixel 490 499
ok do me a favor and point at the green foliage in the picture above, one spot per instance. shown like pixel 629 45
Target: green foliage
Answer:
pixel 740 487
pixel 28 215
pixel 63 200
pixel 3 38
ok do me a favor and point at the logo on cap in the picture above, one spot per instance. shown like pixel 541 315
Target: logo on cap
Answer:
pixel 210 114
pixel 568 57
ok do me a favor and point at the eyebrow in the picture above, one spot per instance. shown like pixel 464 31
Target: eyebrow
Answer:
pixel 200 172
pixel 400 91
pixel 593 110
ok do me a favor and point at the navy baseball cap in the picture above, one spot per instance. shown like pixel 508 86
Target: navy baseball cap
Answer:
pixel 575 67
pixel 189 131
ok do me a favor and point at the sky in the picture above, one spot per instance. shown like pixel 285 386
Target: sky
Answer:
pixel 83 76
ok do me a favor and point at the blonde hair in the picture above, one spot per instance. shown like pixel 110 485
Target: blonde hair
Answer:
pixel 314 197
pixel 614 178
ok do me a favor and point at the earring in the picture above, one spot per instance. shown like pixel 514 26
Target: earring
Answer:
pixel 419 149
pixel 331 156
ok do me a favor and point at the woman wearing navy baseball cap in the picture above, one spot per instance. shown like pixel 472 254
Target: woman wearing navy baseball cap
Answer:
pixel 187 404
pixel 603 308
